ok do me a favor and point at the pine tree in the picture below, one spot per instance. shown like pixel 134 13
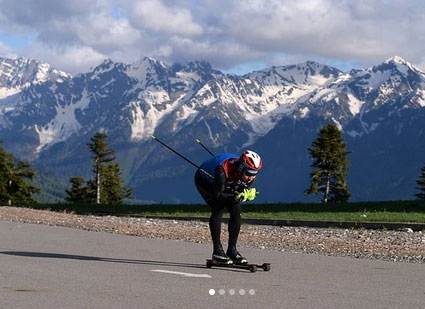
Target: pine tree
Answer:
pixel 6 172
pixel 101 155
pixel 22 189
pixel 115 192
pixel 79 193
pixel 15 180
pixel 421 185
pixel 107 187
pixel 330 166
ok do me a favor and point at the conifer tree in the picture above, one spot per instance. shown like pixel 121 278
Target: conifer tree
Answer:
pixel 330 165
pixel 107 186
pixel 22 189
pixel 101 156
pixel 15 180
pixel 115 192
pixel 6 172
pixel 79 193
pixel 421 185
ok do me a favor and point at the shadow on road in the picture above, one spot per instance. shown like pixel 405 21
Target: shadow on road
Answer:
pixel 96 258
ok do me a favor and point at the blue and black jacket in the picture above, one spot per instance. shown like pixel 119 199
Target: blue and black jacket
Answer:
pixel 220 177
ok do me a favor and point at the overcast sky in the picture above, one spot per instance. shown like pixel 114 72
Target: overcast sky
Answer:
pixel 233 35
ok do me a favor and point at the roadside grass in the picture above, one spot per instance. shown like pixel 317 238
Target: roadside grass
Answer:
pixel 392 211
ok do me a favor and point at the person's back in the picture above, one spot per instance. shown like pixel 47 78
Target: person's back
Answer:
pixel 210 165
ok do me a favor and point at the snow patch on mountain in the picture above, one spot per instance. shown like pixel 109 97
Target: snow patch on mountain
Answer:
pixel 6 91
pixel 185 116
pixel 141 125
pixel 148 111
pixel 354 104
pixel 337 123
pixel 189 77
pixel 378 79
pixel 421 97
pixel 63 125
pixel 210 134
pixel 138 71
pixel 4 122
pixel 354 133
pixel 304 111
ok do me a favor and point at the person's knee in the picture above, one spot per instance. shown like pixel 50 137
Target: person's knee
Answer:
pixel 217 213
pixel 234 211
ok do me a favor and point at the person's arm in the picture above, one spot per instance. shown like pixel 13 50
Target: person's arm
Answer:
pixel 219 183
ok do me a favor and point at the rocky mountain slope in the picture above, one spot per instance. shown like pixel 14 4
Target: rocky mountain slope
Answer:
pixel 277 112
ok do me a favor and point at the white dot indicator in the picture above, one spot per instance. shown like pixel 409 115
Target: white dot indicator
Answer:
pixel 212 291
pixel 241 292
pixel 221 292
pixel 231 292
pixel 251 292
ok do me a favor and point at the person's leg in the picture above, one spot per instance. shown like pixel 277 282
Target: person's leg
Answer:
pixel 234 223
pixel 215 224
pixel 217 208
pixel 234 229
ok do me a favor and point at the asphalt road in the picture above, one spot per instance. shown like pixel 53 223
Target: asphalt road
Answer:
pixel 57 267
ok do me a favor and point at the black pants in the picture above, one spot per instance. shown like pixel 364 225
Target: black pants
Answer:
pixel 217 206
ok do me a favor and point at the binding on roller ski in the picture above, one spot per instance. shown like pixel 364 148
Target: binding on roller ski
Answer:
pixel 251 267
pixel 224 182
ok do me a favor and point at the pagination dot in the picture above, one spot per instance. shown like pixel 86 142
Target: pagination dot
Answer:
pixel 212 291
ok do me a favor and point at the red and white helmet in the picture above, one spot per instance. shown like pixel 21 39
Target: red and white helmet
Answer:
pixel 251 162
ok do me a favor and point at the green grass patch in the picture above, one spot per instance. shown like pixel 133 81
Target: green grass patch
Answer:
pixel 393 211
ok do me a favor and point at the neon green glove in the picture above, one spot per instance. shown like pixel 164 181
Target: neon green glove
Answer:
pixel 251 194
pixel 242 197
pixel 247 195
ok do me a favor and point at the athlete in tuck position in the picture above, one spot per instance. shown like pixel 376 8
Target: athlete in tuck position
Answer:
pixel 224 181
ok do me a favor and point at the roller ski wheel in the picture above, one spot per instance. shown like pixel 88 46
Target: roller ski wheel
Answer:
pixel 252 267
pixel 265 266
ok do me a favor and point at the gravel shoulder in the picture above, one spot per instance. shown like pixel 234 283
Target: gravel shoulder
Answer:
pixel 371 244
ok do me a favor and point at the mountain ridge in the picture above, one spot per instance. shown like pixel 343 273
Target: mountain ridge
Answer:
pixel 50 122
pixel 19 73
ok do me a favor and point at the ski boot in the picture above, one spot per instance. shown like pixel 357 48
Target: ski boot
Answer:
pixel 236 257
pixel 219 257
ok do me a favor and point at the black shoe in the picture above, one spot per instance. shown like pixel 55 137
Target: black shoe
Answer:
pixel 220 257
pixel 236 257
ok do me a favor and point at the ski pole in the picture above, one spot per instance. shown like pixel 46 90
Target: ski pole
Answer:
pixel 199 142
pixel 194 164
pixel 183 157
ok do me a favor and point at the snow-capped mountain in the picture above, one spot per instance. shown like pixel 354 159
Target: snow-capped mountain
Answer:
pixel 276 111
pixel 20 73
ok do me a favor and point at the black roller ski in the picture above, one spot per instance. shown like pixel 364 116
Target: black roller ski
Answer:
pixel 251 267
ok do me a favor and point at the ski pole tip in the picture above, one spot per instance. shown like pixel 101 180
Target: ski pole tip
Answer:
pixel 198 140
pixel 153 136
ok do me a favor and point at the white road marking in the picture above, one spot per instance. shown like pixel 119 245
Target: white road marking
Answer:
pixel 182 274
